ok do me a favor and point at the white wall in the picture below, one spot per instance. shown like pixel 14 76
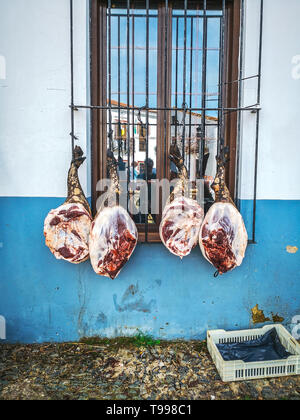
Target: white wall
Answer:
pixel 279 142
pixel 35 97
pixel 35 149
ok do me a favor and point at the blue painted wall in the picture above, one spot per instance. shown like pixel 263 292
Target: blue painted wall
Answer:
pixel 44 299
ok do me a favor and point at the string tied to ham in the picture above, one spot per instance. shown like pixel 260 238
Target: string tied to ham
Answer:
pixel 66 228
pixel 182 216
pixel 113 235
pixel 223 237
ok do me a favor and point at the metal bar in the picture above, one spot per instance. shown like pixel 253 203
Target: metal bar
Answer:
pixel 258 119
pixel 166 83
pixel 242 78
pixel 197 57
pixel 198 16
pixel 141 48
pixel 135 15
pixel 238 143
pixel 176 80
pixel 72 77
pixel 221 97
pixel 147 112
pixel 123 107
pixel 128 99
pixel 184 76
pixel 204 82
pixel 260 50
pixel 190 93
pixel 132 89
pixel 252 108
pixel 119 89
pixel 174 93
pixel 176 15
pixel 179 124
pixel 109 74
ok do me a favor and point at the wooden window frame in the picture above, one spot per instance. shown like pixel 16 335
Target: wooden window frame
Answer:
pixel 98 70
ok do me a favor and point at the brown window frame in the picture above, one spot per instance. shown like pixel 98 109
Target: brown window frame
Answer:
pixel 98 70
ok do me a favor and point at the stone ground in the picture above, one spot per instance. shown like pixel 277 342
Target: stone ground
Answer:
pixel 123 369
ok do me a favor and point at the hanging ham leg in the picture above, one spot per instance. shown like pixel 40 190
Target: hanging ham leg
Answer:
pixel 113 235
pixel 182 217
pixel 67 228
pixel 223 237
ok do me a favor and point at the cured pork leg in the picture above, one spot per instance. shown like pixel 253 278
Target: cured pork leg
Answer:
pixel 67 228
pixel 182 217
pixel 223 237
pixel 113 235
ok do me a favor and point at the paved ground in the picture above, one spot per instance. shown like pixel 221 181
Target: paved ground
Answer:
pixel 121 369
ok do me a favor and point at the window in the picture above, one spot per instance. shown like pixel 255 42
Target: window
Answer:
pixel 162 72
pixel 142 138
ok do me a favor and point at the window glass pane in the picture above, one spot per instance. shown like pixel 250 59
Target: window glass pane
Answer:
pixel 133 86
pixel 190 81
pixel 193 87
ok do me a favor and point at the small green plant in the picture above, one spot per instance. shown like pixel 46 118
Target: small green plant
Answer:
pixel 200 346
pixel 145 340
pixel 139 340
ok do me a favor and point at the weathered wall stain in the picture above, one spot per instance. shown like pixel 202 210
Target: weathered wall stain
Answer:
pixel 101 320
pixel 292 249
pixel 133 300
pixel 258 316
pixel 277 318
pixel 130 291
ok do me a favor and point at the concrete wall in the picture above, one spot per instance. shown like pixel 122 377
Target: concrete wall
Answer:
pixel 35 95
pixel 279 148
pixel 44 299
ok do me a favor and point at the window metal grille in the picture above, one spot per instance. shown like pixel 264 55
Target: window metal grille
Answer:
pixel 135 113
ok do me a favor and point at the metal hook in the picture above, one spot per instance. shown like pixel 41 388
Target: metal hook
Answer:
pixel 216 274
pixel 73 136
pixel 223 159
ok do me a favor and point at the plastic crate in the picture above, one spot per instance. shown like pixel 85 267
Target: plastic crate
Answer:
pixel 240 371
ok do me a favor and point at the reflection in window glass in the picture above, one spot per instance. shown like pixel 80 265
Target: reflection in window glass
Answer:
pixel 135 147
